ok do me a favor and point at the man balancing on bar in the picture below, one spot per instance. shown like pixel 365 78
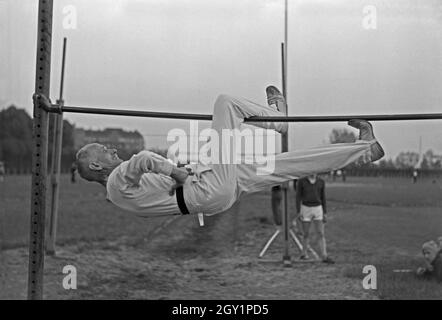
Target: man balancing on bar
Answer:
pixel 146 183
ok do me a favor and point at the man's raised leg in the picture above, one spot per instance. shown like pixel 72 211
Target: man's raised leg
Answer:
pixel 228 114
pixel 301 163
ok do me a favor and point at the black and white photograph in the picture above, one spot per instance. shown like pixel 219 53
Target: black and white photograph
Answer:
pixel 221 155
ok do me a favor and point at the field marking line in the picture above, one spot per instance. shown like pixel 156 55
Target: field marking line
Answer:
pixel 403 270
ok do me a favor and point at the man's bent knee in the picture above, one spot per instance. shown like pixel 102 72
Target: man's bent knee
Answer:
pixel 223 101
pixel 224 197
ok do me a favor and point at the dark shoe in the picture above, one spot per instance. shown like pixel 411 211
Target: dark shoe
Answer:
pixel 328 260
pixel 275 97
pixel 376 152
pixel 366 134
pixel 365 129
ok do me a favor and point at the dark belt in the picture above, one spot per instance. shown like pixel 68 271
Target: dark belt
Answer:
pixel 180 200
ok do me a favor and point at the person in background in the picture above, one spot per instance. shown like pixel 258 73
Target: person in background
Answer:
pixel 311 206
pixel 333 175
pixel 277 205
pixel 415 174
pixel 433 259
pixel 73 171
pixel 2 171
pixel 344 175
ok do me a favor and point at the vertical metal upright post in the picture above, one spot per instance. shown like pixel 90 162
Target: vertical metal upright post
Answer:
pixel 284 148
pixel 55 180
pixel 285 48
pixel 56 163
pixel 284 140
pixel 40 152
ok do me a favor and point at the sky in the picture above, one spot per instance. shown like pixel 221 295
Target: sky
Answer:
pixel 177 56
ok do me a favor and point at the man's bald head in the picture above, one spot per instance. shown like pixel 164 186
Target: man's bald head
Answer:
pixel 95 162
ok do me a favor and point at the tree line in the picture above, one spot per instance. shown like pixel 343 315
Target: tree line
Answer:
pixel 16 141
pixel 16 148
pixel 428 165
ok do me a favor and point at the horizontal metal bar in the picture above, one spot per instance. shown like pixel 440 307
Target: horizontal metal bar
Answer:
pixel 337 118
pixel 137 113
pixel 197 116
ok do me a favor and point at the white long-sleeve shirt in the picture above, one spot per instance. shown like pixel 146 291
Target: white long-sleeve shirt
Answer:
pixel 142 185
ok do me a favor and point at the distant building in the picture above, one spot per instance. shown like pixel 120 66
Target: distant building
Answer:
pixel 126 142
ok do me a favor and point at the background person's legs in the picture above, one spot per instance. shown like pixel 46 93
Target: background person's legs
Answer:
pixel 305 238
pixel 318 227
pixel 276 205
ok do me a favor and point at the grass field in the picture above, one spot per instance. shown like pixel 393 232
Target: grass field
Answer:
pixel 387 221
pixel 381 222
pixel 84 213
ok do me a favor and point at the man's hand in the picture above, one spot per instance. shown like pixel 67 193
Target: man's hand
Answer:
pixel 324 218
pixel 179 175
pixel 43 100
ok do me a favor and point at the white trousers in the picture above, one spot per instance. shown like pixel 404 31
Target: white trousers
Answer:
pixel 218 189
